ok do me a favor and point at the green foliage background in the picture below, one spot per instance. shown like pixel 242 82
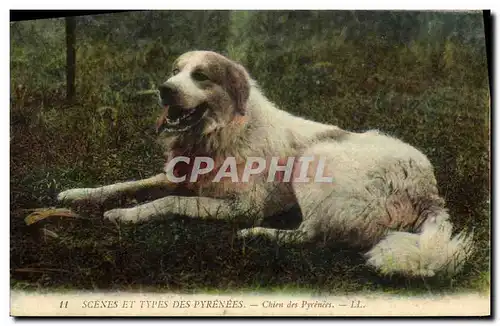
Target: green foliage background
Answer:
pixel 420 76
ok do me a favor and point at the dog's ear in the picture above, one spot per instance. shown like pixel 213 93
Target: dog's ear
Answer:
pixel 238 86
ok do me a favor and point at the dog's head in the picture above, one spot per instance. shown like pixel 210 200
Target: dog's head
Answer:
pixel 205 91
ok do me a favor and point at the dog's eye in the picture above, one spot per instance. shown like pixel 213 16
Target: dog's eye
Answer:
pixel 175 71
pixel 199 76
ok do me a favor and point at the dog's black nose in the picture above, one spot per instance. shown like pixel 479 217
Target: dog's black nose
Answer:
pixel 168 93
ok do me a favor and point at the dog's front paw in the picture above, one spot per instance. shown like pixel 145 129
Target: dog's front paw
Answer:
pixel 73 195
pixel 122 215
pixel 250 233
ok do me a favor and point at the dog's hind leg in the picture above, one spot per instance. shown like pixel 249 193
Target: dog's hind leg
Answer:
pixel 101 194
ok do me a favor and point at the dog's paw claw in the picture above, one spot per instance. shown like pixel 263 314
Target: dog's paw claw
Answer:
pixel 114 215
pixel 120 215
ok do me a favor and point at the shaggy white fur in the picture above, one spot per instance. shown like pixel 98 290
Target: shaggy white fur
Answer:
pixel 383 198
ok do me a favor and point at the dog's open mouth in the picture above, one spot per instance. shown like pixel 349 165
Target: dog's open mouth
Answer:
pixel 175 118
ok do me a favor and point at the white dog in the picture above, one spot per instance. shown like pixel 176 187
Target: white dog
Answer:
pixel 383 198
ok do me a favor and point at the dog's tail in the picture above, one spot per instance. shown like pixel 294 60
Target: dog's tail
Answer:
pixel 431 251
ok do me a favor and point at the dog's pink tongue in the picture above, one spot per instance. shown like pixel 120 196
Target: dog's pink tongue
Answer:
pixel 162 119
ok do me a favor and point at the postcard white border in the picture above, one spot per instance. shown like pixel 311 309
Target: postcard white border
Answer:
pixel 126 304
pixel 185 4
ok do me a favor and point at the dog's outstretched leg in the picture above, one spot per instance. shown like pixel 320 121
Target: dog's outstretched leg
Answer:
pixel 99 195
pixel 282 237
pixel 199 207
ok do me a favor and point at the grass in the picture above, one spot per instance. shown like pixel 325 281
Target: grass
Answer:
pixel 436 99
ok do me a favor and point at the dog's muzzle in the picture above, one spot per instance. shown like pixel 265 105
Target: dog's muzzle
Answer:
pixel 178 119
pixel 175 117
